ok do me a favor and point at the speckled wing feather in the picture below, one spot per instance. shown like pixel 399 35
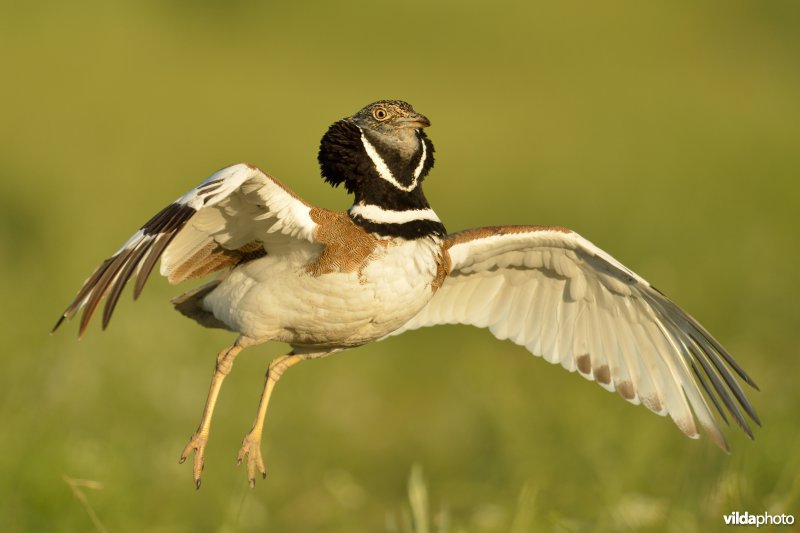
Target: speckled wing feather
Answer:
pixel 563 298
pixel 238 213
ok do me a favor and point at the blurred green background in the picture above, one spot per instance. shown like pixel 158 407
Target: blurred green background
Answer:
pixel 665 132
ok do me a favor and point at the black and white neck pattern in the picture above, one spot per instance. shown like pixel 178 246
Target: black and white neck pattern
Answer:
pixel 403 169
pixel 385 175
pixel 394 205
pixel 407 224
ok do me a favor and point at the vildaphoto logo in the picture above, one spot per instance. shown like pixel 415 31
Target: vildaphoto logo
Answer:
pixel 763 519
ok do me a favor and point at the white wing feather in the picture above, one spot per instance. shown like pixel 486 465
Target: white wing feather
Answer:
pixel 244 205
pixel 566 300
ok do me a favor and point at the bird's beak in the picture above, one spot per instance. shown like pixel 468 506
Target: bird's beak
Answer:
pixel 414 120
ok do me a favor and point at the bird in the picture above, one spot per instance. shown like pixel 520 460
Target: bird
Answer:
pixel 325 281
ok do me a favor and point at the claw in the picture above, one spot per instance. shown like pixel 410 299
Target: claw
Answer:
pixel 251 448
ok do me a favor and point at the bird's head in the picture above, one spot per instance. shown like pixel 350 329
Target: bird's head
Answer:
pixel 394 119
pixel 381 146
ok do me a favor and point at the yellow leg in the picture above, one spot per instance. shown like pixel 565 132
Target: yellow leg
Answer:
pixel 197 443
pixel 251 445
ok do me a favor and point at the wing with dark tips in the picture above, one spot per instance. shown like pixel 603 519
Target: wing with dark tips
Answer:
pixel 235 215
pixel 568 301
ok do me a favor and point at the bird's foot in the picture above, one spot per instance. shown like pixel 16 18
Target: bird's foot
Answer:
pixel 197 444
pixel 251 448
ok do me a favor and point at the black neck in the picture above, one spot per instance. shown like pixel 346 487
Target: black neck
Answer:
pixel 415 229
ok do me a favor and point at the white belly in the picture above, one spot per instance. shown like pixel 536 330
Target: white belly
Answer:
pixel 276 298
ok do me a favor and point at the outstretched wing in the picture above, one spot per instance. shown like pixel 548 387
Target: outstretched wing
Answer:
pixel 563 298
pixel 237 214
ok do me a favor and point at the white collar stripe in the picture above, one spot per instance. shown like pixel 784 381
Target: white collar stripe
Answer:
pixel 383 170
pixel 421 164
pixel 379 215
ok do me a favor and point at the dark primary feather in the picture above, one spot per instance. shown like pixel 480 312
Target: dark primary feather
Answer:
pixel 698 346
pixel 137 259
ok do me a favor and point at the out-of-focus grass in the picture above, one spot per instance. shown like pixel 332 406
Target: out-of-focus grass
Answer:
pixel 666 133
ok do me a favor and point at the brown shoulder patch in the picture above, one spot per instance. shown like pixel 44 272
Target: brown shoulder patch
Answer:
pixel 443 266
pixel 347 247
pixel 492 231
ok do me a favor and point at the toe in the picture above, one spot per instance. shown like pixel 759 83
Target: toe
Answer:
pixel 197 444
pixel 251 451
pixel 197 468
pixel 260 466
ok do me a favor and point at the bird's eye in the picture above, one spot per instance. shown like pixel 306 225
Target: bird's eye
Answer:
pixel 380 113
